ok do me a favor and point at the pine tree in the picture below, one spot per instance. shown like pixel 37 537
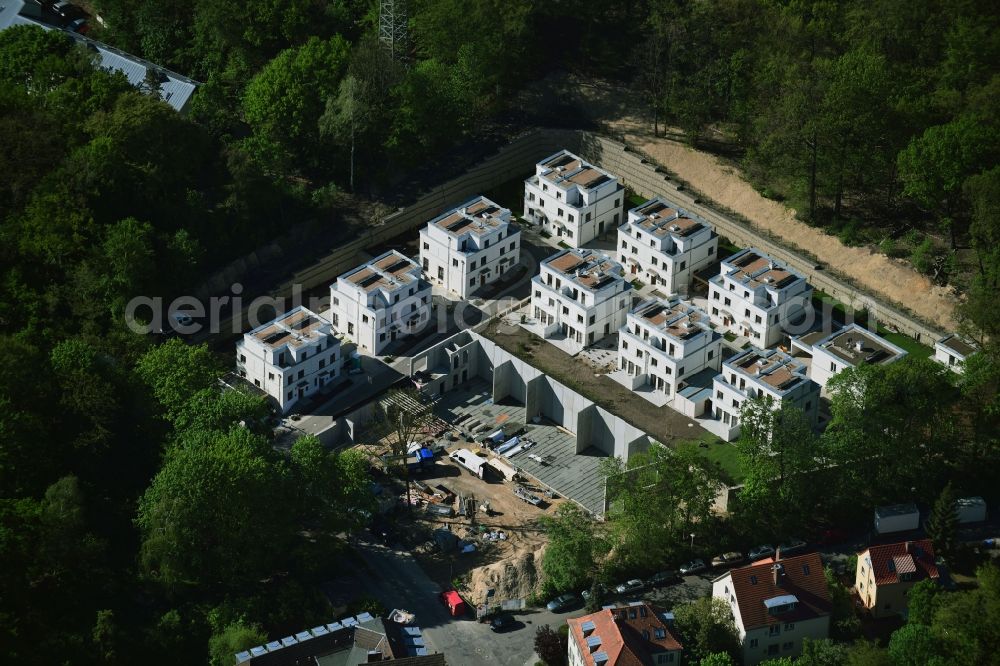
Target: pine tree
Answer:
pixel 943 522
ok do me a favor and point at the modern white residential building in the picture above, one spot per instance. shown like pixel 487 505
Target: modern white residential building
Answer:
pixel 758 297
pixel 581 296
pixel 469 246
pixel 664 245
pixel 290 358
pixel 664 342
pixel 757 372
pixel 775 604
pixel 380 300
pixel 848 347
pixel 952 351
pixel 573 200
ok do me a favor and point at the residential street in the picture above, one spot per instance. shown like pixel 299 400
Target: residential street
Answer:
pixel 397 581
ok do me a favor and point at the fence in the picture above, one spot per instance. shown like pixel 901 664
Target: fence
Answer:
pixel 636 172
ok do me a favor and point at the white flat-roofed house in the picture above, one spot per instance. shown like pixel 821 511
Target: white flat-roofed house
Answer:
pixel 664 342
pixel 380 301
pixel 574 201
pixel 664 245
pixel 579 294
pixel 850 347
pixel 761 372
pixel 290 358
pixel 758 297
pixel 470 246
pixel 952 351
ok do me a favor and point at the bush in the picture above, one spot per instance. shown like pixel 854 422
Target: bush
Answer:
pixel 550 646
pixel 923 256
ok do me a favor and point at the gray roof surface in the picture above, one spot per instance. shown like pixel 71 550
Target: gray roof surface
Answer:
pixel 176 90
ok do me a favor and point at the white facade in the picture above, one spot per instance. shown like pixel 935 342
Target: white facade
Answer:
pixel 664 342
pixel 573 200
pixel 290 358
pixel 380 301
pixel 758 297
pixel 785 627
pixel 952 351
pixel 469 246
pixel 767 372
pixel 850 347
pixel 580 294
pixel 664 245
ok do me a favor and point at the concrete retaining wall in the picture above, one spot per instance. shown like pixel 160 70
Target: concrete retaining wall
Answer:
pixel 636 172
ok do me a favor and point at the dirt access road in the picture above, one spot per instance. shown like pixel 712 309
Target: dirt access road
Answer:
pixel 614 109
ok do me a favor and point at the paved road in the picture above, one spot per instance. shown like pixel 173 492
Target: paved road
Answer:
pixel 398 582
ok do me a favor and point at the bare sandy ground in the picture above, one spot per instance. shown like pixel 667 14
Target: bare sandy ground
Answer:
pixel 892 279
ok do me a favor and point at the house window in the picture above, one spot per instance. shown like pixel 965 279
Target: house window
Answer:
pixel 426 246
pixel 753 642
pixel 512 247
pixel 322 363
pixel 256 383
pixel 243 358
pixel 624 244
pixel 833 367
pixel 711 250
pixel 787 645
pixel 559 212
pixel 711 353
pixel 364 319
pixel 592 319
pixel 472 282
pixel 290 394
pixel 454 262
pixel 302 373
pixel 727 301
pixel 774 630
pixel 270 376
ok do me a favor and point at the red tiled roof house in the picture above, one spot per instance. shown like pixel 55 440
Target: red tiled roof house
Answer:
pixel 775 604
pixel 886 573
pixel 634 635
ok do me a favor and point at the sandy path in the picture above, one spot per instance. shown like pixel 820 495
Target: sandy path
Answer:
pixel 893 279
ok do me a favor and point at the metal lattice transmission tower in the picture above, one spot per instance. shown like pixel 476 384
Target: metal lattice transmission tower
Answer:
pixel 392 26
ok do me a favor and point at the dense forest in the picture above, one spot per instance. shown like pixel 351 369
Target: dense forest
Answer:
pixel 139 521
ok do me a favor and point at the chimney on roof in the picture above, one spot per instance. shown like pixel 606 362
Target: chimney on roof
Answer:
pixel 777 553
pixel 858 346
pixel 777 571
pixel 909 547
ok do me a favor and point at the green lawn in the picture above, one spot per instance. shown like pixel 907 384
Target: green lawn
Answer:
pixel 911 346
pixel 722 454
pixel 635 200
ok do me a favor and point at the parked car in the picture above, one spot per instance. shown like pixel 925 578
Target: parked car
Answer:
pixel 601 589
pixel 633 585
pixel 692 567
pixel 68 10
pixel 760 552
pixel 792 546
pixel 664 578
pixel 730 559
pixel 563 602
pixel 502 622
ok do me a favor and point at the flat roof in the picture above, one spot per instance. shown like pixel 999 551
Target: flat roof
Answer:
pixel 585 267
pixel 565 168
pixel 957 345
pixel 896 510
pixel 772 367
pixel 754 268
pixel 390 270
pixel 479 215
pixel 676 318
pixel 856 345
pixel 295 328
pixel 661 218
